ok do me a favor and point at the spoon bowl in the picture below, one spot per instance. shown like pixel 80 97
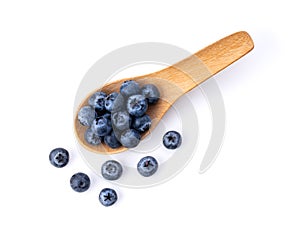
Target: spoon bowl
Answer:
pixel 175 80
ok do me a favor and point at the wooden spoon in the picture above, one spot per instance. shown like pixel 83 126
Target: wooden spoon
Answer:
pixel 176 80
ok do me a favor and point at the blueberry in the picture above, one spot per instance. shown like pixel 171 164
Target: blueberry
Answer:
pixel 142 124
pixel 151 93
pixel 102 113
pixel 91 137
pixel 108 197
pixel 109 101
pixel 107 115
pixel 119 104
pixel 59 157
pixel 130 138
pixel 97 101
pixel 147 166
pixel 121 121
pixel 112 141
pixel 172 140
pixel 86 115
pixel 111 170
pixel 137 105
pixel 101 126
pixel 130 87
pixel 80 182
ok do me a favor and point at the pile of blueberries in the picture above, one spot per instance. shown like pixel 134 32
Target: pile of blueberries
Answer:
pixel 119 119
pixel 116 119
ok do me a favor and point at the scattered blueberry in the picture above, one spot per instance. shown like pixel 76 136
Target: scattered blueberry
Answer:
pixel 121 121
pixel 108 197
pixel 86 115
pixel 142 124
pixel 59 157
pixel 112 141
pixel 137 105
pixel 97 101
pixel 130 138
pixel 80 182
pixel 111 170
pixel 101 126
pixel 109 101
pixel 129 87
pixel 151 93
pixel 91 137
pixel 147 166
pixel 172 140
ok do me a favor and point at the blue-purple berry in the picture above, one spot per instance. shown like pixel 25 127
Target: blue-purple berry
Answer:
pixel 91 137
pixel 111 170
pixel 101 126
pixel 142 124
pixel 59 157
pixel 86 115
pixel 110 100
pixel 80 182
pixel 97 101
pixel 172 140
pixel 130 87
pixel 130 138
pixel 108 197
pixel 112 141
pixel 120 121
pixel 119 104
pixel 137 105
pixel 151 92
pixel 147 166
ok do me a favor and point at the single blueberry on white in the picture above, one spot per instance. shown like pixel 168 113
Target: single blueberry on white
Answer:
pixel 111 170
pixel 108 197
pixel 80 182
pixel 59 157
pixel 147 166
pixel 172 140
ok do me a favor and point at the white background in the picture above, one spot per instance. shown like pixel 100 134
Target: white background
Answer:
pixel 47 47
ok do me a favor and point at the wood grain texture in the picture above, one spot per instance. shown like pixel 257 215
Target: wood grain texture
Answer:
pixel 176 80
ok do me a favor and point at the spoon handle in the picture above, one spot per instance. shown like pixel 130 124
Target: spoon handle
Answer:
pixel 224 52
pixel 199 67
